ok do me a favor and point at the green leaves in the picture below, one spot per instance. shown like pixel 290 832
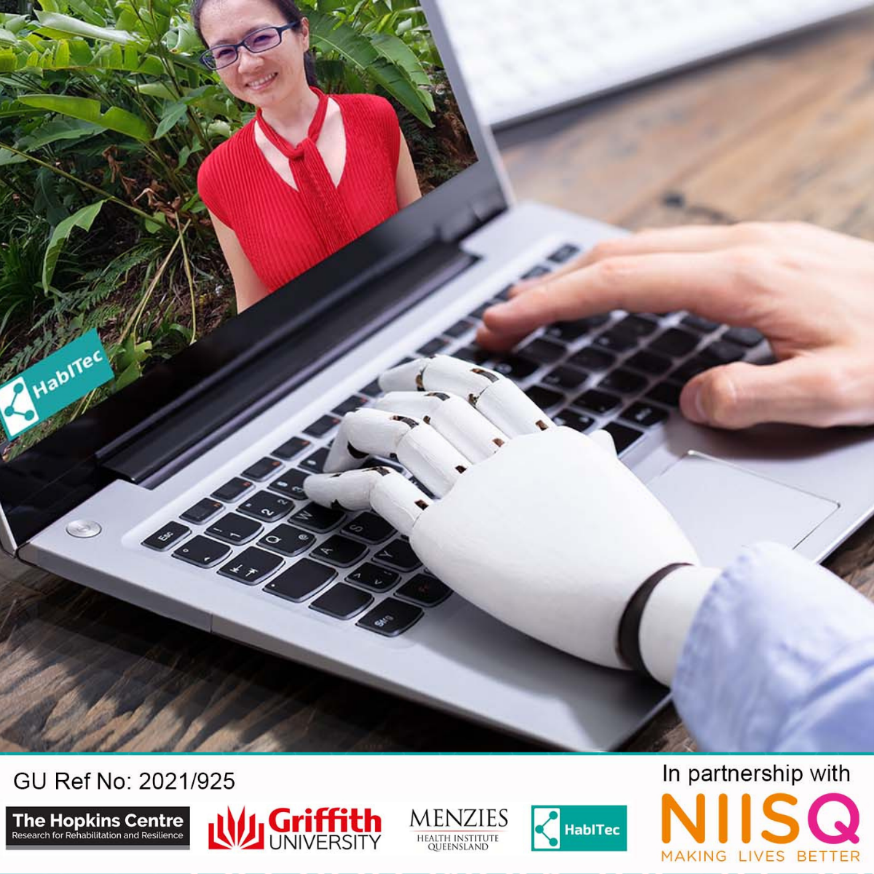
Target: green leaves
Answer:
pixel 83 219
pixel 84 108
pixel 128 363
pixel 54 24
pixel 173 114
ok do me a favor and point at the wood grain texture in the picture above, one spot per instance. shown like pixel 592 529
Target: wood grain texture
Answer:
pixel 780 132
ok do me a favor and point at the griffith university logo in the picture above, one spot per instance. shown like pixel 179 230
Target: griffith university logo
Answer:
pixel 16 407
pixel 235 834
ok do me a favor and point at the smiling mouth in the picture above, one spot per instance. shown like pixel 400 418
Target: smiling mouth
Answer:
pixel 261 83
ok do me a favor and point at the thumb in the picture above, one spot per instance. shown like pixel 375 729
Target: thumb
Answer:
pixel 740 395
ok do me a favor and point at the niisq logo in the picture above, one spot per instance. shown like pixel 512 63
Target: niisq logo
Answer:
pixel 458 829
pixel 327 828
pixel 589 828
pixel 53 383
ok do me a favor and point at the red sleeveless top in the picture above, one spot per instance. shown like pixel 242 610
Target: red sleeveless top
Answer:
pixel 284 231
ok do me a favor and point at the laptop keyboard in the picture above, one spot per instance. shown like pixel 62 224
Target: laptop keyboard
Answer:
pixel 620 372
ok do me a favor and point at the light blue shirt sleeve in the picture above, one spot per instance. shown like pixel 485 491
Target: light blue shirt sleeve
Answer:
pixel 780 657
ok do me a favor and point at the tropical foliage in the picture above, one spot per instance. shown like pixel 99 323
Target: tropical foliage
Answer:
pixel 105 117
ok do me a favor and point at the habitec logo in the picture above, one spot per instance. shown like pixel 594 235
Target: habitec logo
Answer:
pixel 589 828
pixel 236 835
pixel 53 383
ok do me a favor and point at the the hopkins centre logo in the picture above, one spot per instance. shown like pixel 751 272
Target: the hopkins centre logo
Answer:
pixel 588 828
pixel 53 383
pixel 236 834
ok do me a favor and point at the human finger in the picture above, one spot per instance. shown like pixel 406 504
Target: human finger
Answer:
pixel 381 489
pixel 418 447
pixel 502 402
pixel 705 282
pixel 796 391
pixel 474 436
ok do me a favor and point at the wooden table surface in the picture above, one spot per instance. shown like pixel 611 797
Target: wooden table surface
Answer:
pixel 780 132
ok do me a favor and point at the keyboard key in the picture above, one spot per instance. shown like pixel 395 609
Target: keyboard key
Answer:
pixel 349 405
pixel 202 551
pixel 318 518
pixel 623 381
pixel 340 550
pixel 504 293
pixel 459 329
pixel 697 323
pixel 473 354
pixel 623 436
pixel 638 326
pixel 543 351
pixel 398 554
pixel 166 536
pixel 724 352
pixel 262 469
pixel 233 489
pixel 251 566
pixel 288 540
pixel 615 341
pixel 692 368
pixel 565 253
pixel 666 393
pixel 566 332
pixel 202 510
pixel 514 367
pixel 649 362
pixel 390 618
pixel 674 342
pixel 370 576
pixel 544 397
pixel 369 527
pixel 342 601
pixel 479 312
pixel 597 401
pixel 598 320
pixel 372 389
pixel 565 378
pixel 425 590
pixel 234 529
pixel 536 272
pixel 572 419
pixel 301 580
pixel 315 463
pixel 291 448
pixel 290 484
pixel 645 414
pixel 266 507
pixel 432 347
pixel 321 426
pixel 593 359
pixel 748 337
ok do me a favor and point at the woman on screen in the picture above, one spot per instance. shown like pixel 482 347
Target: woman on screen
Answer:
pixel 310 173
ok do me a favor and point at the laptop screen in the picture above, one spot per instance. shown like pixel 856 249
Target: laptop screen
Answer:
pixel 153 191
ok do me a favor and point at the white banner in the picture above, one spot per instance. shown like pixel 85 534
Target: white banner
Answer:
pixel 429 813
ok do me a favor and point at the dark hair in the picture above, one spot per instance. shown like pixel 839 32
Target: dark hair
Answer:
pixel 292 15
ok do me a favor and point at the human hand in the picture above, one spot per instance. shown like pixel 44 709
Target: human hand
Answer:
pixel 540 526
pixel 809 291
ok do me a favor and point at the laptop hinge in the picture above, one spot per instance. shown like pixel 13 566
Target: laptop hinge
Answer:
pixel 7 538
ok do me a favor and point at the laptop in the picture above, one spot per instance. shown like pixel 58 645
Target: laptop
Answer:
pixel 521 63
pixel 181 493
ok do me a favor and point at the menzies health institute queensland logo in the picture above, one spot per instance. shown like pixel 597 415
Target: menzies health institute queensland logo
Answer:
pixel 580 828
pixel 326 828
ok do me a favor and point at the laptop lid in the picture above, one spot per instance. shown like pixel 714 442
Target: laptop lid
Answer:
pixel 147 429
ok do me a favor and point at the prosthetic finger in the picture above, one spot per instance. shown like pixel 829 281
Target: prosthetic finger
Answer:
pixel 425 453
pixel 604 439
pixel 384 490
pixel 472 435
pixel 499 400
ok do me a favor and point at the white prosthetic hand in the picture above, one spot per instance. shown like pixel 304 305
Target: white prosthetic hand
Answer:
pixel 540 526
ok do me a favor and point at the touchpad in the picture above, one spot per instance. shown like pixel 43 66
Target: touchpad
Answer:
pixel 722 508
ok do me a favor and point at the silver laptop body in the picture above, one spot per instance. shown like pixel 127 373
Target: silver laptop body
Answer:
pixel 804 488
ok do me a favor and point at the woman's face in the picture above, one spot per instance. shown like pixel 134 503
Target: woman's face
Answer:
pixel 266 78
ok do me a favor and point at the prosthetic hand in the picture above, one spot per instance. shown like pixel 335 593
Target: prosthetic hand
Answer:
pixel 540 526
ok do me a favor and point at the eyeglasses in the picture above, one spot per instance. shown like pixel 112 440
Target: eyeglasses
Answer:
pixel 260 40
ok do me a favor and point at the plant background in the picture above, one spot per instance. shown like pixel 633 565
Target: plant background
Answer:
pixel 105 118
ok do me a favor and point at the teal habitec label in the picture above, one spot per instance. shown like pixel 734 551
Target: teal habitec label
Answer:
pixel 589 828
pixel 54 383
